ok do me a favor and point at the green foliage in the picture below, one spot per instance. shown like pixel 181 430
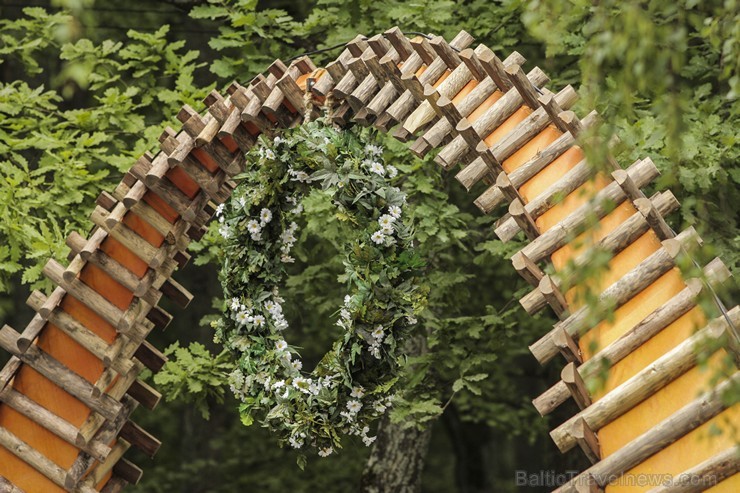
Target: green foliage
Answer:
pixel 195 376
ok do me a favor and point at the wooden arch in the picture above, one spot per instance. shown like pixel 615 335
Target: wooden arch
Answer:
pixel 72 383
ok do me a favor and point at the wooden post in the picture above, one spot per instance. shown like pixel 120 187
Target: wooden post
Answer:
pixel 527 269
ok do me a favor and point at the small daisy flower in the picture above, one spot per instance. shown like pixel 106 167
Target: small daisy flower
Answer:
pixel 269 154
pixel 253 227
pixel 380 407
pixel 259 320
pixel 220 209
pixel 377 168
pixel 295 442
pixel 411 320
pixel 374 149
pixel 368 440
pixel 281 345
pixel 378 332
pixel 242 318
pixel 347 300
pixel 386 221
pixel 235 304
pixel 358 392
pixel 378 237
pixel 297 364
pixel 224 231
pixel 265 216
pixel 277 385
pixel 394 211
pixel 277 140
pixel 392 171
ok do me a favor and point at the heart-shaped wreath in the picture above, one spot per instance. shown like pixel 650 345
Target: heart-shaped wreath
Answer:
pixel 354 382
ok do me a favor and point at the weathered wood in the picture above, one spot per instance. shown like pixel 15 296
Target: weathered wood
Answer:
pixel 507 188
pixel 150 356
pixel 59 374
pixel 632 283
pixel 496 70
pixel 646 382
pixel 130 472
pixel 527 90
pixel 114 485
pixel 617 240
pixel 567 346
pixel 33 329
pixel 575 385
pixel 48 420
pixel 514 140
pixel 153 256
pixel 554 194
pixel 688 418
pixel 553 109
pixel 704 475
pixel 642 172
pixel 9 371
pixel 489 121
pixel 587 440
pixel 527 269
pixel 140 438
pixel 144 394
pixel 523 219
pixel 446 52
pixel 176 292
pixel 493 196
pixel 654 218
pixel 7 487
pixel 80 334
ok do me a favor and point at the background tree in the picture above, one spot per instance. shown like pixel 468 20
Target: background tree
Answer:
pixel 86 86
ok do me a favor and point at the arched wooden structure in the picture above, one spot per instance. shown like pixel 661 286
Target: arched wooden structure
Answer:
pixel 72 383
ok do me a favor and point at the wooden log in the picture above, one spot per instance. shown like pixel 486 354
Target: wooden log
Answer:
pixel 140 438
pixel 33 329
pixel 629 285
pixel 514 140
pixel 150 356
pixel 521 83
pixel 574 384
pixel 704 475
pixel 523 219
pixel 79 333
pixel 614 242
pixel 35 459
pixel 507 188
pixel 114 485
pixel 642 172
pixel 400 42
pixel 142 287
pixel 59 374
pixel 496 69
pixel 446 52
pixel 9 371
pixel 470 58
pixel 489 121
pixel 7 487
pixel 493 196
pixel 425 113
pixel 144 394
pixel 130 472
pixel 587 440
pixel 95 428
pixel 153 256
pixel 101 470
pixel 553 110
pixel 424 50
pixel 567 346
pixel 50 421
pixel 551 196
pixel 177 293
pixel 654 218
pixel 646 382
pixel 688 418
pixel 527 269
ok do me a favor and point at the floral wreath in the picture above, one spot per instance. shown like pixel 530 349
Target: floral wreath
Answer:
pixel 354 382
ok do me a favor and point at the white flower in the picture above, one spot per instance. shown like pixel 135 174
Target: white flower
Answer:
pixel 235 304
pixel 394 211
pixel 259 320
pixel 392 171
pixel 348 416
pixel 377 168
pixel 281 345
pixel 378 333
pixel 225 231
pixel 374 150
pixel 379 407
pixel 297 365
pixel 411 320
pixel 265 216
pixel 386 221
pixel 295 442
pixel 242 317
pixel 256 236
pixel 277 140
pixel 368 440
pixel 269 154
pixel 287 259
pixel 378 237
pixel 347 300
pixel 357 392
pixel 344 313
pixel 354 406
pixel 253 227
pixel 326 451
pixel 220 209
pixel 278 384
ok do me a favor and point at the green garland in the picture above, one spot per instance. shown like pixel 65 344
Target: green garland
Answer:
pixel 354 382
